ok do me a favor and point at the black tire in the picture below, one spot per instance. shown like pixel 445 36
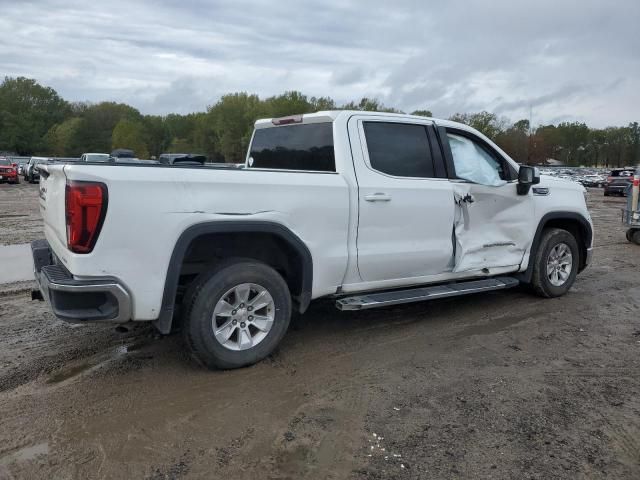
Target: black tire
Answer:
pixel 204 294
pixel 540 281
pixel 606 194
pixel 635 236
pixel 628 234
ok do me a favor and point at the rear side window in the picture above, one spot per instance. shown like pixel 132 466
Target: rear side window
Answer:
pixel 294 147
pixel 399 149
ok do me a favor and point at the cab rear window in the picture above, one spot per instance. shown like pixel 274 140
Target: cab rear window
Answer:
pixel 294 147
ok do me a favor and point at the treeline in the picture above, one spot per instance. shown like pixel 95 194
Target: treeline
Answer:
pixel 34 119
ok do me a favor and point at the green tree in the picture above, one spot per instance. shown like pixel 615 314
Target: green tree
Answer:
pixel 369 105
pixel 99 122
pixel 422 113
pixel 322 103
pixel 515 141
pixel 27 112
pixel 62 138
pixel 485 122
pixel 158 136
pixel 289 103
pixel 130 134
pixel 231 119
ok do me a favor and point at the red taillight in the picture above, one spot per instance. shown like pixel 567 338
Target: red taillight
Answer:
pixel 86 206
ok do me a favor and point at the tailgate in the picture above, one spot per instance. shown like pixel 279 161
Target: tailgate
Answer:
pixel 52 203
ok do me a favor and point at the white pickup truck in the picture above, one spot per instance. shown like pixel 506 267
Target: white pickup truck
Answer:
pixel 371 209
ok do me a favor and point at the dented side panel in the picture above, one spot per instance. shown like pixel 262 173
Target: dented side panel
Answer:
pixel 493 226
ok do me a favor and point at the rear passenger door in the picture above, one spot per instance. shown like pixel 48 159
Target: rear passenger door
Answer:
pixel 406 206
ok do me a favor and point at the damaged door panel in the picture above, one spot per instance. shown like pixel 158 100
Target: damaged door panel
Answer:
pixel 492 226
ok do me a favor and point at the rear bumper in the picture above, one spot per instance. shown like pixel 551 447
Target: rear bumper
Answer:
pixel 74 300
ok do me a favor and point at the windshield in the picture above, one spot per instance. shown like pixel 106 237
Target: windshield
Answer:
pixel 4 161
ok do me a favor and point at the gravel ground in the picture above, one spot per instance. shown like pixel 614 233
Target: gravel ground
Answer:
pixel 20 220
pixel 501 385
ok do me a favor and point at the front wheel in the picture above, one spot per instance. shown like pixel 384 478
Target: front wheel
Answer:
pixel 236 314
pixel 556 263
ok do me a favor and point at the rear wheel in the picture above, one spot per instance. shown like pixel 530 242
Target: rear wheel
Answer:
pixel 556 263
pixel 633 235
pixel 236 314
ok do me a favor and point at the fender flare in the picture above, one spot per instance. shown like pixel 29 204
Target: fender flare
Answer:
pixel 526 276
pixel 167 309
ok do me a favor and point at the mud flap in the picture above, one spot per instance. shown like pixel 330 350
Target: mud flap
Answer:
pixel 487 233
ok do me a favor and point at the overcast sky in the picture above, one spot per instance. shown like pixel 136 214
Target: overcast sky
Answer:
pixel 567 60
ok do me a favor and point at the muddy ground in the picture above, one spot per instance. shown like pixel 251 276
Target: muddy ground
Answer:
pixel 20 220
pixel 501 385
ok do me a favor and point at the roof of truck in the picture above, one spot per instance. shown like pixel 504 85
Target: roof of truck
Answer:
pixel 331 115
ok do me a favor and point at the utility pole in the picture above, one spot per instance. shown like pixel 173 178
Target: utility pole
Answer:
pixel 529 139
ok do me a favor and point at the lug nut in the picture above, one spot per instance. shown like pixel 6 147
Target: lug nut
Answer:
pixel 233 312
pixel 242 325
pixel 250 317
pixel 234 321
pixel 242 305
pixel 249 308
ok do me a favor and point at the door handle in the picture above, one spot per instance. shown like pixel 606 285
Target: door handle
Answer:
pixel 378 197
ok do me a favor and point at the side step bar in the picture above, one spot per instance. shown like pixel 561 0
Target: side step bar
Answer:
pixel 396 297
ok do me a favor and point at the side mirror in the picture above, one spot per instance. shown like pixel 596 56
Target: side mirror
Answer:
pixel 527 176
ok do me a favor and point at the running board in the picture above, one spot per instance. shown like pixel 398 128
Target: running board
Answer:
pixel 397 297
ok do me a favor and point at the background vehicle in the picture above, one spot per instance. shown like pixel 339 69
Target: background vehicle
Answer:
pixel 8 171
pixel 123 153
pixel 618 186
pixel 182 158
pixel 331 204
pixel 593 180
pixel 32 172
pixel 617 173
pixel 95 157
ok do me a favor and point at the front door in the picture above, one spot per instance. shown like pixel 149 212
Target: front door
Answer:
pixel 406 209
pixel 492 225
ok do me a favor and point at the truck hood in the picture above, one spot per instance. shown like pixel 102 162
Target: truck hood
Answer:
pixel 554 182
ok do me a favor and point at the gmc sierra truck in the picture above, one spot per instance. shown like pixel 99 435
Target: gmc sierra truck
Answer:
pixel 371 209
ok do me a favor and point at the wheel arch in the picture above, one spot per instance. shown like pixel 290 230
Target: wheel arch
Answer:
pixel 301 289
pixel 573 222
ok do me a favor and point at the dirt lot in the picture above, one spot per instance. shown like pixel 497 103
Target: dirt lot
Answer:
pixel 20 220
pixel 504 385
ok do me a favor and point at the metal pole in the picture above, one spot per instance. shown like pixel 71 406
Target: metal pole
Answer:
pixel 634 195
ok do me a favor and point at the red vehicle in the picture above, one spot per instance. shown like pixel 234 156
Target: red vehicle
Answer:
pixel 8 171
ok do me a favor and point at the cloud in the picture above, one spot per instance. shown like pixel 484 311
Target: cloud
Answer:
pixel 573 59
